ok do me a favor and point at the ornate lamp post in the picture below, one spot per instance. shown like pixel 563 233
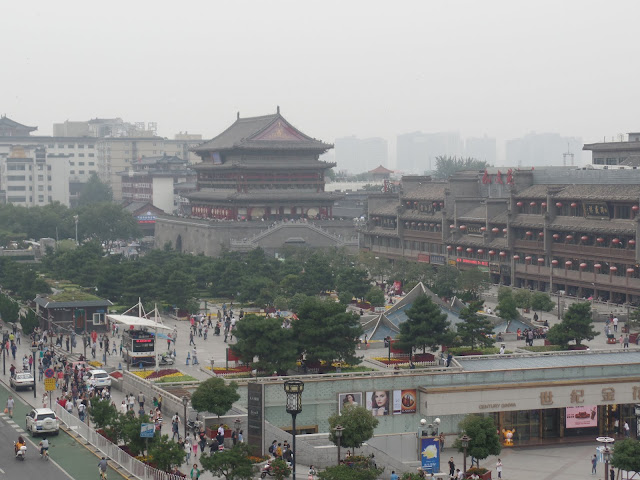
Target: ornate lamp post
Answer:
pixel 34 349
pixel 606 453
pixel 464 440
pixel 185 402
pixel 294 389
pixel 338 429
pixel 236 424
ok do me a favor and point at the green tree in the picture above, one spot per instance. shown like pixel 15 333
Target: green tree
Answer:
pixel 626 455
pixel 576 324
pixel 281 302
pixel 426 327
pixel 232 464
pixel 474 281
pixel 29 322
pixel 94 191
pixel 106 222
pixel 256 337
pixel 358 423
pixel 504 292
pixel 522 298
pixel 345 298
pixel 447 165
pixel 446 281
pixel 129 431
pixel 354 280
pixel 215 396
pixel 542 301
pixel 634 319
pixel 296 302
pixel 507 308
pixel 484 441
pixel 166 453
pixel 9 309
pixel 280 469
pixel 476 329
pixel 375 296
pixel 326 332
pixel 180 288
pixel 102 413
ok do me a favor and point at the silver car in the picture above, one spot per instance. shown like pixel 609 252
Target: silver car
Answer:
pixel 22 380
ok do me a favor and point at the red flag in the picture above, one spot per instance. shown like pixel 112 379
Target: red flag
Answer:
pixel 510 177
pixel 486 179
pixel 499 178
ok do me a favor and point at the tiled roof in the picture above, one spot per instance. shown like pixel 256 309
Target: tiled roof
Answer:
pixel 538 192
pixel 298 164
pixel 600 192
pixel 473 241
pixel 383 232
pixel 384 209
pixel 415 215
pixel 500 219
pixel 233 196
pixel 380 170
pixel 241 135
pixel 525 220
pixel 477 213
pixel 426 191
pixel 570 224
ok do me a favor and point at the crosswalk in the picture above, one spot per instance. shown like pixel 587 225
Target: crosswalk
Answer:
pixel 11 423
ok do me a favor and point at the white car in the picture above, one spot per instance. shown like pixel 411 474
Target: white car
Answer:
pixel 98 379
pixel 42 420
pixel 22 380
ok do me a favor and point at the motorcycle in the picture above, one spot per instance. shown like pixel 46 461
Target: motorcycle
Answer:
pixel 194 426
pixel 166 359
pixel 21 452
pixel 267 470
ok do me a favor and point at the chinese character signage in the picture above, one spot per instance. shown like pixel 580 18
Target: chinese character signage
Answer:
pixel 430 454
pixel 405 401
pixel 579 417
pixel 596 209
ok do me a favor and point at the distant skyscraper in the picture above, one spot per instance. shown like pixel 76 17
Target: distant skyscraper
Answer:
pixel 358 155
pixel 481 149
pixel 542 149
pixel 417 151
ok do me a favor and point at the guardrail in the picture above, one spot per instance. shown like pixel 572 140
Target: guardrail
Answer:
pixel 110 450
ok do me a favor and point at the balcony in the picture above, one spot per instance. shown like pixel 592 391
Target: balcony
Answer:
pixel 576 277
pixel 423 235
pixel 621 255
pixel 529 245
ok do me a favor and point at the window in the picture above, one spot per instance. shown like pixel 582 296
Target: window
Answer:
pixel 81 154
pixel 16 188
pixel 81 172
pixel 49 177
pixel 91 155
pixel 612 161
pixel 80 145
pixel 71 146
pixel 91 164
pixel 49 167
pixel 16 178
pixel 41 198
pixel 72 154
pixel 41 178
pixel 41 188
pixel 98 318
pixel 16 167
pixel 50 146
pixel 81 164
pixel 72 172
pixel 72 163
pixel 17 199
pixel 40 167
pixel 60 145
pixel 49 188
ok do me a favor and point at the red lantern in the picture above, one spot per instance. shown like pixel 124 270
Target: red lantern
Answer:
pixel 613 269
pixel 435 204
pixel 541 234
pixel 406 224
pixel 630 270
pixel 495 229
pixel 583 265
pixel 532 204
pixel 442 204
pixel 452 226
pixel 584 238
pixel 469 250
pixel 528 234
pixel 615 241
pixel 556 236
pixel 519 204
pixel 492 252
pixel 597 266
pixel 568 263
pixel 483 229
pixel 559 204
pixel 527 259
pixel 449 247
pixel 503 254
pixel 635 208
pixel 574 205
pixel 516 257
pixel 504 230
pixel 459 249
pixel 480 251
pixel 540 260
pixel 554 263
pixel 543 204
pixel 569 238
pixel 631 242
pixel 600 240
pixel 463 227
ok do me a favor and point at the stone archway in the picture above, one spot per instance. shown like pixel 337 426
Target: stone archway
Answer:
pixel 179 243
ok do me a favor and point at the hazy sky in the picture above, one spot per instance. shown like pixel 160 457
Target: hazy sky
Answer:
pixel 336 68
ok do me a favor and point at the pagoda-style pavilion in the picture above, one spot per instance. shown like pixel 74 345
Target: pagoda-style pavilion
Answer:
pixel 261 168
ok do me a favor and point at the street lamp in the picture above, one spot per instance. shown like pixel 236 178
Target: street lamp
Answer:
pixel 185 402
pixel 5 338
pixel 34 349
pixel 464 441
pixel 338 429
pixel 606 453
pixel 237 423
pixel 294 389
pixel 75 218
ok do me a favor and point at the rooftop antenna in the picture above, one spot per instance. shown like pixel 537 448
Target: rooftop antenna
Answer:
pixel 567 154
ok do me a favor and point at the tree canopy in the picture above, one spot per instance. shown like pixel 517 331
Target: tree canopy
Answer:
pixel 476 329
pixel 542 301
pixel 576 324
pixel 626 455
pixel 215 396
pixel 484 441
pixel 94 191
pixel 358 423
pixel 426 327
pixel 506 308
pixel 231 463
pixel 447 165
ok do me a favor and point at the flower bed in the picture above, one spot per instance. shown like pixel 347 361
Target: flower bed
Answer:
pixel 95 364
pixel 176 379
pixel 165 372
pixel 117 375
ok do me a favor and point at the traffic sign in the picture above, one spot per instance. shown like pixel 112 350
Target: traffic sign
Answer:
pixel 49 373
pixel 49 384
pixel 147 430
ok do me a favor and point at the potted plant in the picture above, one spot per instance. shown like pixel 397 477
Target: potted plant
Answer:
pixel 483 473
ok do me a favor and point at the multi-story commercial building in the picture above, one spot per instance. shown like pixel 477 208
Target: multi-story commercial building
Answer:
pixel 357 155
pixel 481 148
pixel 417 151
pixel 571 230
pixel 30 177
pixel 154 180
pixel 543 149
pixel 621 154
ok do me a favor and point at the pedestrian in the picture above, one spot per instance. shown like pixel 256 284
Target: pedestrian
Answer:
pixel 188 357
pixel 626 341
pixel 195 473
pixel 175 424
pixel 452 467
pixel 187 447
pixel 594 464
pixel 612 473
pixel 499 468
pixel 195 356
pixel 240 437
pixel 123 407
pixel 10 404
pixel 191 342
pixel 615 324
pixel 394 475
pixel 312 473
pixel 234 438
pixel 194 447
pixel 141 399
pixel 627 430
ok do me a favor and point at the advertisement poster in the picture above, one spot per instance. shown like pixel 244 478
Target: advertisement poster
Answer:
pixel 405 401
pixel 346 399
pixel 579 417
pixel 430 454
pixel 379 402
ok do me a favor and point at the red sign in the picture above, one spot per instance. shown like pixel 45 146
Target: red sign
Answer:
pixel 143 341
pixel 423 257
pixel 397 287
pixel 471 261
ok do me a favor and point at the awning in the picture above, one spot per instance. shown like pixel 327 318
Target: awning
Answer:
pixel 130 320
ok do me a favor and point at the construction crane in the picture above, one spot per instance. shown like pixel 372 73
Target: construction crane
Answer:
pixel 567 154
